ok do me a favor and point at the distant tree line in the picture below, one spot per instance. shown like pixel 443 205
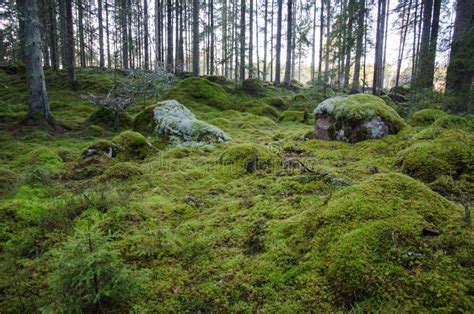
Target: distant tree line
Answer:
pixel 224 37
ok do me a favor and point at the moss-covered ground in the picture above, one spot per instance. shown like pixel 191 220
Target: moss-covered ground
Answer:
pixel 270 221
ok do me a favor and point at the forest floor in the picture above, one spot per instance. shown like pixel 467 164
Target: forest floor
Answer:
pixel 318 226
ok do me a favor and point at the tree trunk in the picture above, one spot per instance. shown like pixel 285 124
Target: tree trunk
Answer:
pixel 422 77
pixel 70 64
pixel 212 56
pixel 359 42
pixel 321 36
pixel 123 20
pixel 313 48
pixel 378 63
pixel 169 32
pixel 195 37
pixel 328 44
pixel 53 35
pixel 403 36
pixel 107 31
pixel 80 20
pixel 289 34
pixel 101 36
pixel 242 40
pixel 38 106
pixel 278 42
pixel 433 43
pixel 251 69
pixel 460 74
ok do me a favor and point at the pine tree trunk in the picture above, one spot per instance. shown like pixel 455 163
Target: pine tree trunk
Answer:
pixel 53 36
pixel 242 40
pixel 123 20
pixel 107 32
pixel 422 77
pixel 328 44
pixel 359 42
pixel 38 106
pixel 289 33
pixel 212 56
pixel 70 64
pixel 459 80
pixel 433 43
pixel 321 36
pixel 169 32
pixel 278 42
pixel 378 63
pixel 251 68
pixel 80 20
pixel 403 36
pixel 101 36
pixel 313 47
pixel 195 37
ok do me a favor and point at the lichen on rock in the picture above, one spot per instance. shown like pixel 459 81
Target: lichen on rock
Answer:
pixel 355 118
pixel 178 126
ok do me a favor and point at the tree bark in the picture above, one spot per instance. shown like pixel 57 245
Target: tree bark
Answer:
pixel 278 43
pixel 124 26
pixel 53 36
pixel 359 42
pixel 69 37
pixel 289 33
pixel 169 31
pixel 242 40
pixel 195 37
pixel 321 36
pixel 38 106
pixel 422 77
pixel 378 62
pixel 460 74
pixel 251 69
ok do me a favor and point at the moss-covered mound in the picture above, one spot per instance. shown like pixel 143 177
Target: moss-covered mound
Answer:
pixel 43 157
pixel 452 122
pixel 385 239
pixel 294 116
pixel 133 145
pixel 247 156
pixel 450 153
pixel 122 171
pixel 175 124
pixel 253 87
pixel 106 118
pixel 426 117
pixel 8 181
pixel 199 90
pixel 277 102
pixel 355 118
pixel 260 109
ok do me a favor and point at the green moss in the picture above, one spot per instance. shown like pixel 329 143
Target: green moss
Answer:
pixel 448 154
pixel 294 116
pixel 379 225
pixel 247 156
pixel 277 102
pixel 41 156
pixel 199 90
pixel 265 110
pixel 9 180
pixel 452 122
pixel 133 145
pixel 105 118
pixel 144 121
pixel 426 117
pixel 122 171
pixel 253 87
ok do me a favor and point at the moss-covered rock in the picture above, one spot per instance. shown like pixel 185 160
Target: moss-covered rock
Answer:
pixel 133 145
pixel 177 125
pixel 199 90
pixel 355 118
pixel 9 180
pixel 106 119
pixel 449 154
pixel 247 156
pixel 294 116
pixel 426 117
pixel 253 87
pixel 122 171
pixel 374 235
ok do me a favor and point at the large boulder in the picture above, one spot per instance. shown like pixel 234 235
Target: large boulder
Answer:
pixel 177 125
pixel 355 118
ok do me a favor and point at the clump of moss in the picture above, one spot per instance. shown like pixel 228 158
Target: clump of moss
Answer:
pixel 144 122
pixel 41 156
pixel 294 116
pixel 219 79
pixel 133 145
pixel 265 110
pixel 426 117
pixel 374 235
pixel 449 154
pixel 249 157
pixel 199 90
pixel 253 87
pixel 9 180
pixel 122 171
pixel 277 102
pixel 452 122
pixel 105 118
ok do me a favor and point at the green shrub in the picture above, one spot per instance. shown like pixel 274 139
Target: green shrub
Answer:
pixel 426 117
